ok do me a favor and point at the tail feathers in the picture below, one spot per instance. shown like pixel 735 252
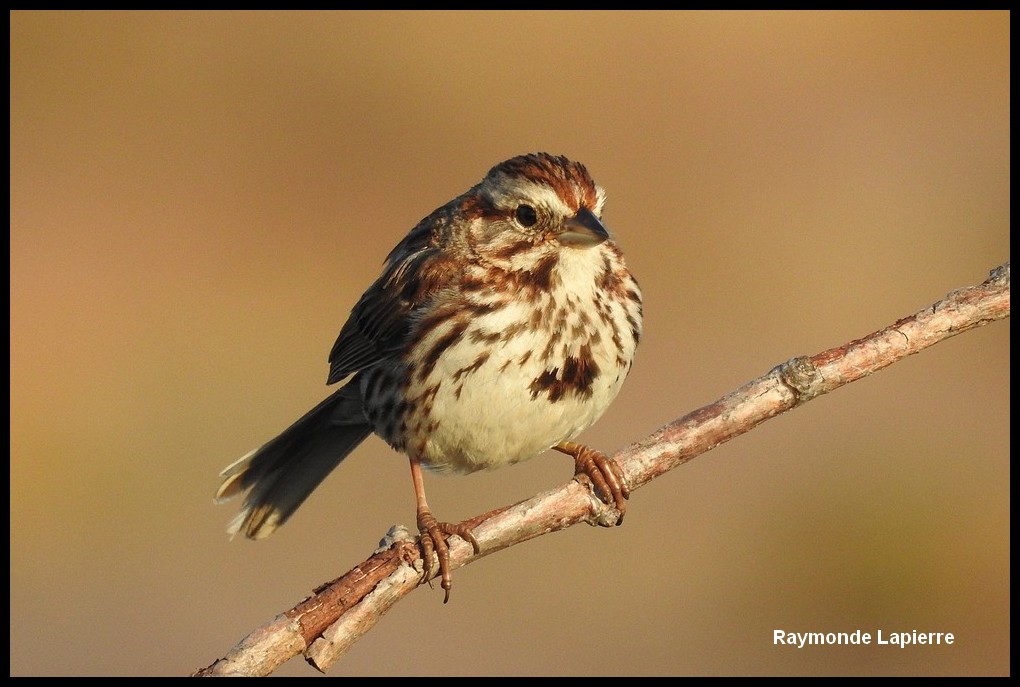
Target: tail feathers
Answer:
pixel 280 475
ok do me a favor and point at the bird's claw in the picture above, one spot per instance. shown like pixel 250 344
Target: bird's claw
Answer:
pixel 605 474
pixel 434 546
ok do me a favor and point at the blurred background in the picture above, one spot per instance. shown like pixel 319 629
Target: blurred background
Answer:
pixel 198 199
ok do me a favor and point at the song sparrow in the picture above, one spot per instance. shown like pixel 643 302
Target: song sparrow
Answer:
pixel 502 326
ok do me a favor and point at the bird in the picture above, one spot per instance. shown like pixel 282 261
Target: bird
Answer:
pixel 502 326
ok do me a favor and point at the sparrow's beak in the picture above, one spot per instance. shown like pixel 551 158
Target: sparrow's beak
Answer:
pixel 582 230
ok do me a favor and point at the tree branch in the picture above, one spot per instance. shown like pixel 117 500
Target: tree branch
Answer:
pixel 325 625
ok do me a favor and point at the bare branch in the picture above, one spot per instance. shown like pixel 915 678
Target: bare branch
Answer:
pixel 325 625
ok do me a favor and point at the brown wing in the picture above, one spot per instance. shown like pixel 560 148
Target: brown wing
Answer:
pixel 379 323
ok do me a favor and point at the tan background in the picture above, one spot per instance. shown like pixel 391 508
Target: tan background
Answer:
pixel 198 199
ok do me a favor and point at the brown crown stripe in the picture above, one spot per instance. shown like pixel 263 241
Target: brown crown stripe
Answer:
pixel 569 179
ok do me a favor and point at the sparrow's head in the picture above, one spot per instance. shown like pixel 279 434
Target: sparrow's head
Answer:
pixel 541 201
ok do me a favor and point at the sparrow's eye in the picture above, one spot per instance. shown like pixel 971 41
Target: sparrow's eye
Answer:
pixel 526 215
